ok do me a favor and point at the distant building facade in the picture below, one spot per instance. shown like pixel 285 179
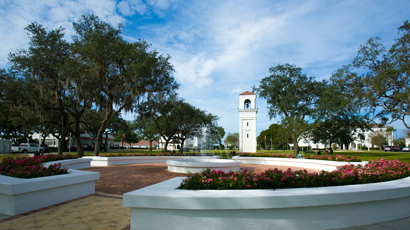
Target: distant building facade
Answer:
pixel 86 140
pixel 357 142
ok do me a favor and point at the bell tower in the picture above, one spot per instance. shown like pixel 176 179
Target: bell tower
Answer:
pixel 247 122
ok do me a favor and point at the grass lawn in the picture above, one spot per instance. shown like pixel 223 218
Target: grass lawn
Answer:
pixel 365 155
pixel 372 155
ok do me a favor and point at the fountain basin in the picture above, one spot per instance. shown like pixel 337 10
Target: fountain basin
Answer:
pixel 200 165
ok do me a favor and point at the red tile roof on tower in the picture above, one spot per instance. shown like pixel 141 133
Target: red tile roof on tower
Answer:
pixel 247 93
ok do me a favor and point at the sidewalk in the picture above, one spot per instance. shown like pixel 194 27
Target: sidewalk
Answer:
pixel 98 211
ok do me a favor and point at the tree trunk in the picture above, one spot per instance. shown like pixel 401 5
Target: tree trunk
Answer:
pixel 62 144
pixel 76 135
pixel 181 150
pixel 77 140
pixel 101 130
pixel 150 145
pixel 166 145
pixel 295 145
pixel 106 142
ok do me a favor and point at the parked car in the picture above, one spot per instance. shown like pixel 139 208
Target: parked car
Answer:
pixel 88 147
pixel 406 149
pixel 28 148
pixel 73 148
pixel 45 147
pixel 396 148
pixel 387 148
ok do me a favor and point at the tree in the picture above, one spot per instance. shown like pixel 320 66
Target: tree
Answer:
pixel 339 109
pixel 123 72
pixel 43 87
pixel 191 121
pixel 128 134
pixel 161 109
pixel 378 138
pixel 389 133
pixel 399 142
pixel 148 130
pixel 292 95
pixel 272 137
pixel 232 139
pixel 387 82
pixel 218 134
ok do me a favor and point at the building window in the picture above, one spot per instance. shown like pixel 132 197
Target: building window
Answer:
pixel 247 123
pixel 247 135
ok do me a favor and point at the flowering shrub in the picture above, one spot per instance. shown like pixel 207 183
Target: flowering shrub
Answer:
pixel 52 157
pixel 373 171
pixel 150 154
pixel 30 167
pixel 335 158
pixel 315 157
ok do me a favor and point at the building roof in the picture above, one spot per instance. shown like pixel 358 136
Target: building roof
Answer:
pixel 247 93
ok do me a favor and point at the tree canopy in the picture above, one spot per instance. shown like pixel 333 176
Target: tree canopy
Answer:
pixel 386 83
pixel 55 83
pixel 339 110
pixel 291 95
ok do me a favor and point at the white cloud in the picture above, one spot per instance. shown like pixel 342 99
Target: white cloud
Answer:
pixel 16 15
pixel 129 8
pixel 195 71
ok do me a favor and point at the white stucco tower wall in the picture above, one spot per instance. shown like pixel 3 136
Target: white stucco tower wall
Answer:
pixel 247 122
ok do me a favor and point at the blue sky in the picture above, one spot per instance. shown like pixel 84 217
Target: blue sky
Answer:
pixel 220 49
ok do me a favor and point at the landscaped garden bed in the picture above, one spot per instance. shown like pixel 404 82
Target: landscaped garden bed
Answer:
pixel 31 167
pixel 374 171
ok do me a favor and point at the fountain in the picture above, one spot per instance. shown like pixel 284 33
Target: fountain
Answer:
pixel 199 165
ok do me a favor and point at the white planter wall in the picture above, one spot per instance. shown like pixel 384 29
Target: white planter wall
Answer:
pixel 80 163
pixel 162 206
pixel 108 161
pixel 302 163
pixel 200 165
pixel 23 195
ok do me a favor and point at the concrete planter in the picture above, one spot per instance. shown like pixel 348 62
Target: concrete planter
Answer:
pixel 80 163
pixel 200 165
pixel 303 163
pixel 162 206
pixel 107 161
pixel 23 195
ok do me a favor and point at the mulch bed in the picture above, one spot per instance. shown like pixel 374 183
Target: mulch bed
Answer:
pixel 121 179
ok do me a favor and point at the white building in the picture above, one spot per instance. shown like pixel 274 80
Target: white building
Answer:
pixel 86 140
pixel 189 143
pixel 356 144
